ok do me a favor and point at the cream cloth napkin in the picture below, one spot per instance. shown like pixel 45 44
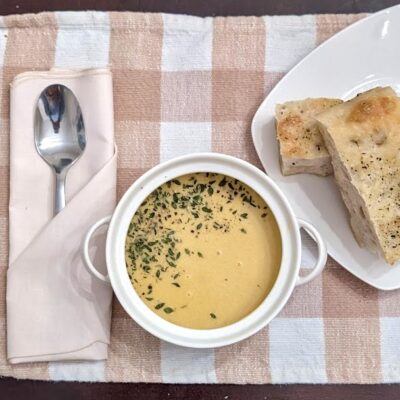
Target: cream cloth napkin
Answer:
pixel 55 309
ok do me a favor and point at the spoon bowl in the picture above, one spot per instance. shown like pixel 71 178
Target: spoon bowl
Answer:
pixel 60 137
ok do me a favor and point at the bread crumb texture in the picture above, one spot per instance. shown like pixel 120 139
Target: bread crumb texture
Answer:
pixel 364 135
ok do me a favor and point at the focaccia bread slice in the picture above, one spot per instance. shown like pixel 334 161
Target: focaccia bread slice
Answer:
pixel 301 148
pixel 363 138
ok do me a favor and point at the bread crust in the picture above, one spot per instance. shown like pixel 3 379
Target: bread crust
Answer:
pixel 301 147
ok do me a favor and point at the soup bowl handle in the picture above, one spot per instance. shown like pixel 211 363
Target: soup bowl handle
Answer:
pixel 86 256
pixel 322 253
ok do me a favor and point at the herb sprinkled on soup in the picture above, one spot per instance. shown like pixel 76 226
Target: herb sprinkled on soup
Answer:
pixel 203 250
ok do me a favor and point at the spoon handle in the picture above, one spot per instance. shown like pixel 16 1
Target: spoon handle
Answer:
pixel 59 200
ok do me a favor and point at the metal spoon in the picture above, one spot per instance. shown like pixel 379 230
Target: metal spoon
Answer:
pixel 60 137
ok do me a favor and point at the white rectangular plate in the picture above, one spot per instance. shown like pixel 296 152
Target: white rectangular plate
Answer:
pixel 363 56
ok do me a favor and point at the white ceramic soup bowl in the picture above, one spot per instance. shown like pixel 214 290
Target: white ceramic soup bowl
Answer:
pixel 288 276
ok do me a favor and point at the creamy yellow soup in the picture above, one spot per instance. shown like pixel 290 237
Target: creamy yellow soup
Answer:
pixel 203 251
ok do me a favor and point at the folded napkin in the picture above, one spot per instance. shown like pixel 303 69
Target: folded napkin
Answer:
pixel 55 309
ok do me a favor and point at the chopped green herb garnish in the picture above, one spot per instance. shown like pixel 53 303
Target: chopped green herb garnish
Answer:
pixel 171 264
pixel 223 182
pixel 197 199
pixel 200 204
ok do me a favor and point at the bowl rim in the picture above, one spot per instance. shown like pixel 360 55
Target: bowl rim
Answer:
pixel 276 298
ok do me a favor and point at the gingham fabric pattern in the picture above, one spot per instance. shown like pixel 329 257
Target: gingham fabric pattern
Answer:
pixel 184 84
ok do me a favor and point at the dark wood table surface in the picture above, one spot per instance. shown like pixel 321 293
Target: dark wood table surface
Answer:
pixel 11 389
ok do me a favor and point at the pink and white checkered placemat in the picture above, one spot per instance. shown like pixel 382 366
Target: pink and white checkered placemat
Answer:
pixel 184 84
